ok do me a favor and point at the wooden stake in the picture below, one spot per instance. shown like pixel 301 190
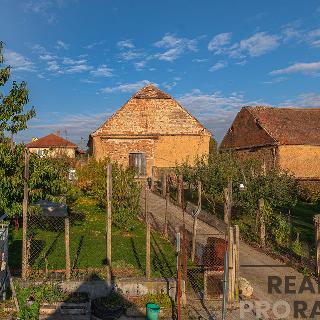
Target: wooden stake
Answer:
pixel 262 224
pixel 109 217
pixel 164 184
pixel 231 276
pixel 166 216
pixel 148 247
pixel 237 260
pixel 25 215
pixel 180 190
pixel 317 227
pixel 199 194
pixel 226 205
pixel 67 244
pixel 195 223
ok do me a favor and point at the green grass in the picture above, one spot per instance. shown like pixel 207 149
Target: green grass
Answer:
pixel 302 219
pixel 87 245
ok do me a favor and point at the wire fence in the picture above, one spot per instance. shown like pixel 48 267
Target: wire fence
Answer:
pixel 3 258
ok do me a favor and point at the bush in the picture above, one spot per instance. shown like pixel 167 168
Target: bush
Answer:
pixel 92 180
pixel 48 178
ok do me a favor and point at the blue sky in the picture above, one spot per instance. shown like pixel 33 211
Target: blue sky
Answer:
pixel 83 60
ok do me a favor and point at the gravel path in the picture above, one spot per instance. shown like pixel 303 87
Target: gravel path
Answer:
pixel 255 266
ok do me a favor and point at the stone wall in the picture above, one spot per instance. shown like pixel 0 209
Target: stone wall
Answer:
pixel 161 151
pixel 303 161
pixel 268 156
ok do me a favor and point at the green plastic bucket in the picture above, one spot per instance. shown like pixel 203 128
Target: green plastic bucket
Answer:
pixel 152 311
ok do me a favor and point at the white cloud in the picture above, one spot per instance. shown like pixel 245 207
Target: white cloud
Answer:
pixel 71 126
pixel 47 57
pixel 276 80
pixel 18 62
pixel 102 71
pixel 53 66
pixel 219 65
pixel 140 65
pixel 73 61
pixel 254 46
pixel 62 45
pixel 304 67
pixel 131 55
pixel 79 68
pixel 94 44
pixel 306 100
pixel 45 7
pixel 169 85
pixel 125 44
pixel 200 60
pixel 215 110
pixel 175 47
pixel 126 87
pixel 218 42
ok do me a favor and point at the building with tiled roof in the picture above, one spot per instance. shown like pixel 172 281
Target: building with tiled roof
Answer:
pixel 286 138
pixel 52 145
pixel 151 130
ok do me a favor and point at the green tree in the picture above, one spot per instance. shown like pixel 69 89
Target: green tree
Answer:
pixel 13 117
pixel 48 178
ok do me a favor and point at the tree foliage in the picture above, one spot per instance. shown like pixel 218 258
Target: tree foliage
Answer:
pixel 48 178
pixel 276 187
pixel 13 117
pixel 92 180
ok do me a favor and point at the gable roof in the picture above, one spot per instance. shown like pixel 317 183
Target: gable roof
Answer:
pixel 51 141
pixel 290 126
pixel 151 111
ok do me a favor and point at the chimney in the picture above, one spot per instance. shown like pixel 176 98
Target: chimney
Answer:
pixel 58 133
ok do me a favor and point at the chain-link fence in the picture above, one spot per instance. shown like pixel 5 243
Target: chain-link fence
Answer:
pixel 45 244
pixel 3 258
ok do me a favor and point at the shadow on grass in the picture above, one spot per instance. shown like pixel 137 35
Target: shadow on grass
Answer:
pixel 136 255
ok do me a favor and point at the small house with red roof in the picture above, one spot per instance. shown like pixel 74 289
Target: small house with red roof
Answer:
pixel 52 145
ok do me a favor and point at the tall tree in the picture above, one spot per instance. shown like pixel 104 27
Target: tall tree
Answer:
pixel 13 117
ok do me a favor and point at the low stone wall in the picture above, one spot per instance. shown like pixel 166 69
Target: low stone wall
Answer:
pixel 125 286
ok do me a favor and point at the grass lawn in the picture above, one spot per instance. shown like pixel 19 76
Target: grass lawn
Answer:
pixel 302 219
pixel 87 245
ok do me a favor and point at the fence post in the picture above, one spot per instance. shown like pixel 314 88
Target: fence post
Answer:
pixel 199 194
pixel 25 215
pixel 178 250
pixel 237 260
pixel 148 239
pixel 67 244
pixel 231 265
pixel 262 224
pixel 195 222
pixel 317 227
pixel 166 216
pixel 180 190
pixel 109 217
pixel 227 206
pixel 164 184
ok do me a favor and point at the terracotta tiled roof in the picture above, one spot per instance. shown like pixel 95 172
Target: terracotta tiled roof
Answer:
pixel 289 125
pixel 51 141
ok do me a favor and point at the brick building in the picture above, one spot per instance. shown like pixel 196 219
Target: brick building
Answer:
pixel 150 130
pixel 52 145
pixel 286 138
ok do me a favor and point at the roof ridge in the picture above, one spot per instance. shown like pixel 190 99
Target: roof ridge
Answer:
pixel 261 124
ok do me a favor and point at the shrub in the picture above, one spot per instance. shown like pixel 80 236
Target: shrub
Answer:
pixel 92 180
